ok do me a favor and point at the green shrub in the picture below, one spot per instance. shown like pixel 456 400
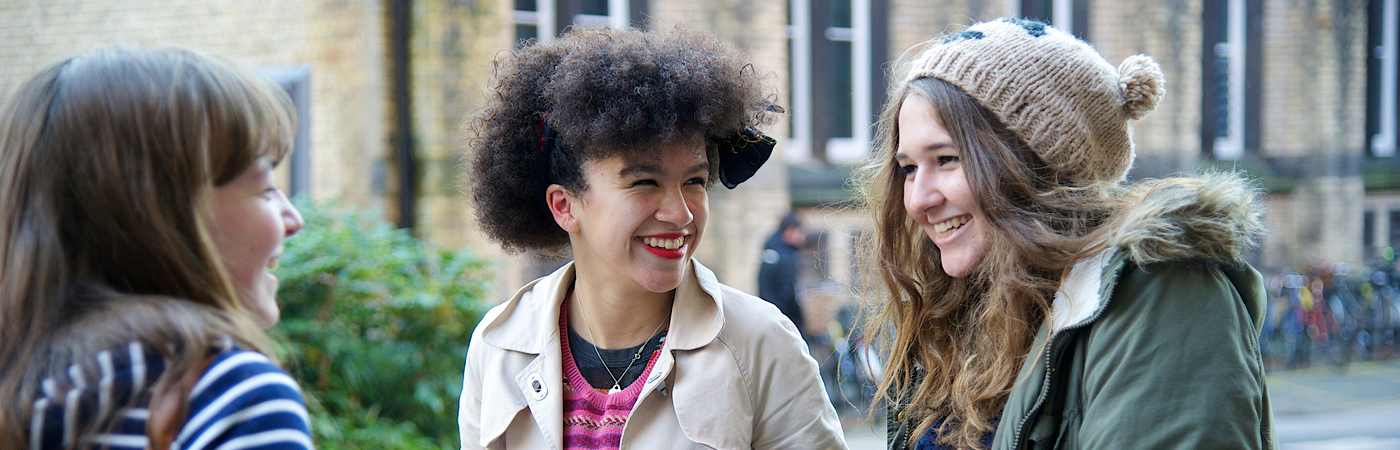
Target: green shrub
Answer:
pixel 375 325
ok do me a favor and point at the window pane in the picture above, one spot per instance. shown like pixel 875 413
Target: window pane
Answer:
pixel 526 5
pixel 791 89
pixel 841 89
pixel 593 7
pixel 1368 232
pixel 1222 90
pixel 525 33
pixel 1039 10
pixel 1395 228
pixel 841 13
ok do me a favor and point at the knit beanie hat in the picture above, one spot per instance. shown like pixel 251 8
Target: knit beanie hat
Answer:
pixel 1056 92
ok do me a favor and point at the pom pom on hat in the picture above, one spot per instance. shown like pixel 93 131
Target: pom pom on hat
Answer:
pixel 1142 83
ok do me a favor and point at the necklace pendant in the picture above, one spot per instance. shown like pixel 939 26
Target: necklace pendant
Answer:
pixel 615 389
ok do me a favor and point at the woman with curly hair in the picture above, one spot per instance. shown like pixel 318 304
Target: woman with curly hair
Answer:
pixel 1033 297
pixel 604 143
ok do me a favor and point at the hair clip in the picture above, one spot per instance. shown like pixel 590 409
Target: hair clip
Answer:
pixel 547 138
pixel 742 155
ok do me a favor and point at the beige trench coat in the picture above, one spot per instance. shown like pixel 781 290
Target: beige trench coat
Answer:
pixel 733 374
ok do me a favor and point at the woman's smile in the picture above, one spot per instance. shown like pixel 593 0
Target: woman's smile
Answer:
pixel 666 245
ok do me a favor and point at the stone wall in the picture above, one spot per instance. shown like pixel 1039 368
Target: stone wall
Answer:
pixel 1312 118
pixel 341 43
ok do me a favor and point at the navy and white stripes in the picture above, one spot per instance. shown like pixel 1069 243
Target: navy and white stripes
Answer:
pixel 241 401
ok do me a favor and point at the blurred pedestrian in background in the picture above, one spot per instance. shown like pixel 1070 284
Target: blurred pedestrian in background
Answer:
pixel 1037 299
pixel 139 226
pixel 780 267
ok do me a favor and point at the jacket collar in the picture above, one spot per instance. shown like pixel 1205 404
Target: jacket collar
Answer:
pixel 529 322
pixel 1213 217
pixel 1085 292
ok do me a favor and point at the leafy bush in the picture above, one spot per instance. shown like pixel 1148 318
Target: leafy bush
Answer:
pixel 375 325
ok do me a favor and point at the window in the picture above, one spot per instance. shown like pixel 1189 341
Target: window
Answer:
pixel 841 37
pixel 544 19
pixel 297 83
pixel 1394 240
pixel 1070 16
pixel 836 36
pixel 1368 234
pixel 1382 136
pixel 534 19
pixel 593 13
pixel 1228 62
pixel 799 65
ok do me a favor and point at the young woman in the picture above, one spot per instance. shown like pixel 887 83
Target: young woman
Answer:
pixel 604 143
pixel 138 228
pixel 1035 299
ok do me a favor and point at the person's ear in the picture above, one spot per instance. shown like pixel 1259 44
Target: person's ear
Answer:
pixel 561 205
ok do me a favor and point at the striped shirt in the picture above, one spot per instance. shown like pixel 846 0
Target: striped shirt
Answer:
pixel 595 417
pixel 242 400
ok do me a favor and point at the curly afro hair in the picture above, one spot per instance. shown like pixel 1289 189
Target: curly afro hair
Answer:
pixel 597 93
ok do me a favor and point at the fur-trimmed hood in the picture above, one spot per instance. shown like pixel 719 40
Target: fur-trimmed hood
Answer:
pixel 1215 217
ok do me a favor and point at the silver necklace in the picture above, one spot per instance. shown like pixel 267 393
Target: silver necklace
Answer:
pixel 617 381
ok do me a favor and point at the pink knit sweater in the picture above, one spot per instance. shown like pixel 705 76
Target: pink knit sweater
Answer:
pixel 594 419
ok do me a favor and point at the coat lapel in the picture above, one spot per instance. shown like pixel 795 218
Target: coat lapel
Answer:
pixel 530 327
pixel 541 383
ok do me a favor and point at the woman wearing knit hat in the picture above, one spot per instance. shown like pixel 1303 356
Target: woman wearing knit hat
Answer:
pixel 1037 299
pixel 605 143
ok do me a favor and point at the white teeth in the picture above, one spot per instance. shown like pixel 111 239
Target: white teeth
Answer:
pixel 950 224
pixel 669 244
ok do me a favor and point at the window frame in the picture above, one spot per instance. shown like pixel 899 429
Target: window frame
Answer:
pixel 1229 28
pixel 1383 125
pixel 296 82
pixel 542 18
pixel 1070 16
pixel 803 85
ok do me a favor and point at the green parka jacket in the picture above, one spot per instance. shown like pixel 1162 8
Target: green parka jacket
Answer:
pixel 1153 342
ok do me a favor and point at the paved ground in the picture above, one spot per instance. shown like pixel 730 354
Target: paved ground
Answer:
pixel 1314 409
pixel 1324 408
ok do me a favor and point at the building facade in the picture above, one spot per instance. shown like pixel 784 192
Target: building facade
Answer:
pixel 1300 94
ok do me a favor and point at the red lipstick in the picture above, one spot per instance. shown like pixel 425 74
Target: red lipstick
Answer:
pixel 678 253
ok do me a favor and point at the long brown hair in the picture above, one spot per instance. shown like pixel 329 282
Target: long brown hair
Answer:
pixel 957 343
pixel 107 163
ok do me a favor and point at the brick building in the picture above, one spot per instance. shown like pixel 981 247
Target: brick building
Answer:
pixel 1301 94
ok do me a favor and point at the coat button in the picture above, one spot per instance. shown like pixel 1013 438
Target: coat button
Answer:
pixel 538 390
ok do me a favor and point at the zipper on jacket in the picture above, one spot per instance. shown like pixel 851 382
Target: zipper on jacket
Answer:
pixel 1049 372
pixel 1049 352
pixel 1040 399
pixel 902 442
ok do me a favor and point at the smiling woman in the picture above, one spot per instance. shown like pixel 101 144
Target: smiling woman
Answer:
pixel 138 230
pixel 635 334
pixel 1037 299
